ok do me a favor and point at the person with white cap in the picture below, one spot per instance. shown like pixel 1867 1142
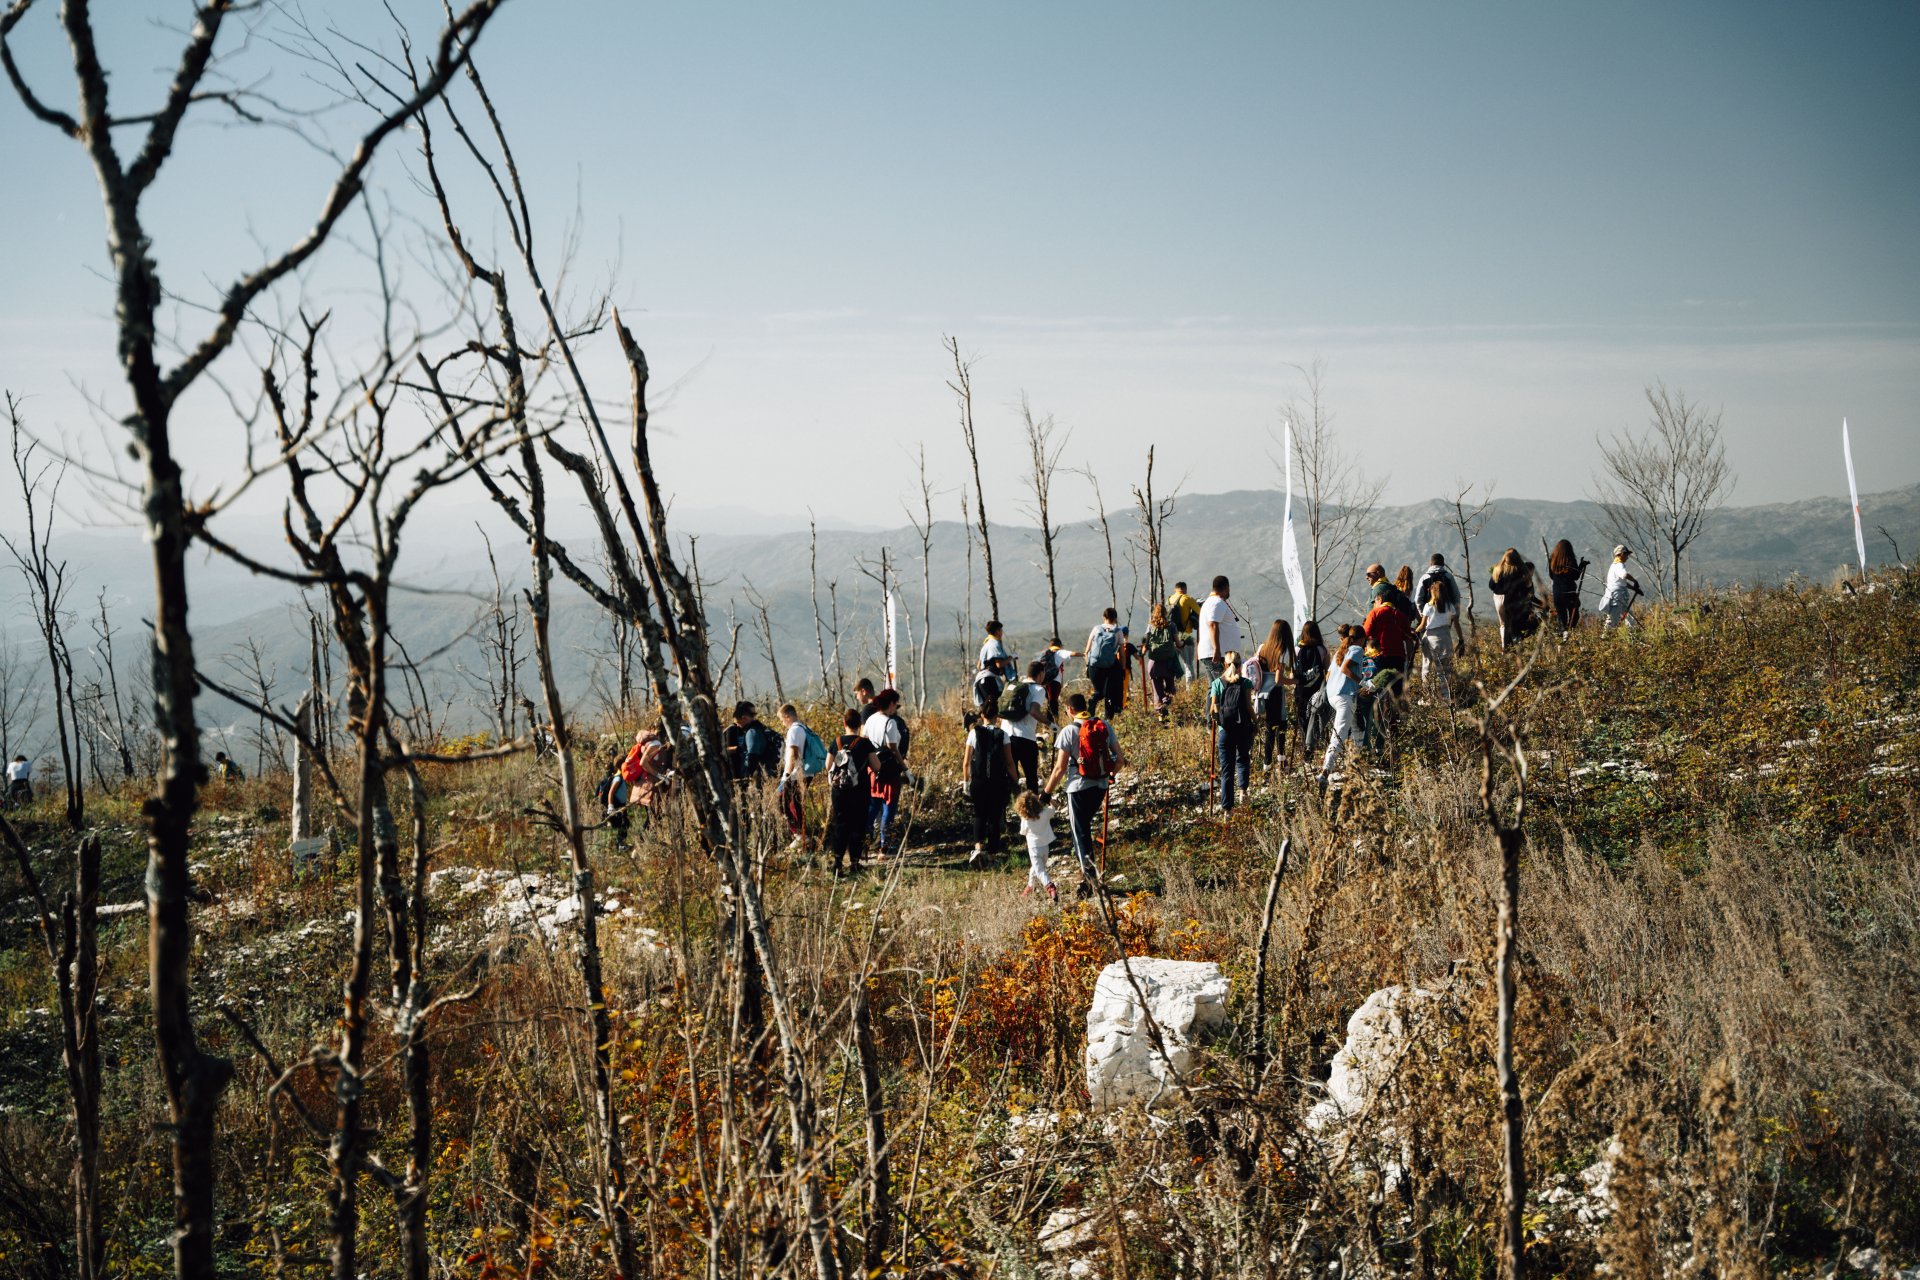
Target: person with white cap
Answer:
pixel 1616 604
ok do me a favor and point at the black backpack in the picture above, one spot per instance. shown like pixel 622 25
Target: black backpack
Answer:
pixel 989 763
pixel 844 772
pixel 1235 699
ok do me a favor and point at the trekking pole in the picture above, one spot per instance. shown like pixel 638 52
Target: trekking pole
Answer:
pixel 1106 797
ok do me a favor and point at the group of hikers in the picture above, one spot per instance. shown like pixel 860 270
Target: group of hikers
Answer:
pixel 1334 690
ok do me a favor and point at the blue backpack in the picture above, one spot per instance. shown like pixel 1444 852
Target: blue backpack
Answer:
pixel 1104 650
pixel 813 756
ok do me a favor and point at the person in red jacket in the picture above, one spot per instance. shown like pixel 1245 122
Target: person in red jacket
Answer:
pixel 1389 625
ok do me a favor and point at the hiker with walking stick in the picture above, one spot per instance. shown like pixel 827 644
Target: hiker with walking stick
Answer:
pixel 1086 754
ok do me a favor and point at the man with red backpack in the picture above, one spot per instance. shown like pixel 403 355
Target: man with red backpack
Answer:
pixel 1086 755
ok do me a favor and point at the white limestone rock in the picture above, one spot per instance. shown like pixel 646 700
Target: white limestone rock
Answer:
pixel 1186 999
pixel 1376 1042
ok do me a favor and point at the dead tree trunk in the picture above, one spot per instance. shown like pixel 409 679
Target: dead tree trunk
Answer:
pixel 1043 457
pixel 1106 533
pixel 1510 834
pixel 923 527
pixel 962 386
pixel 813 583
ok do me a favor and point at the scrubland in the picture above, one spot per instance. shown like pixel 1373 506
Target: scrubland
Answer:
pixel 1717 1041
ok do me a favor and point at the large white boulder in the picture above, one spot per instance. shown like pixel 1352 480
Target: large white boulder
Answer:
pixel 1186 998
pixel 1377 1041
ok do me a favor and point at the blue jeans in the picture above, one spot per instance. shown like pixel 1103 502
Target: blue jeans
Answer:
pixel 1235 758
pixel 879 814
pixel 1083 812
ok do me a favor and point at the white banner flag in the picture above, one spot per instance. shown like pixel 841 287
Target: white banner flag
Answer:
pixel 893 633
pixel 1289 546
pixel 1853 492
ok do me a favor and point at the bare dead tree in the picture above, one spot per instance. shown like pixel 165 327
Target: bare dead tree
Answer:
pixel 922 522
pixel 1499 739
pixel 46 579
pixel 1106 534
pixel 966 631
pixel 193 1079
pixel 1659 489
pixel 1466 517
pixel 501 659
pixel 962 387
pixel 813 585
pixel 119 734
pixel 1340 501
pixel 250 667
pixel 20 701
pixel 1043 458
pixel 833 627
pixel 763 620
pixel 667 607
pixel 1153 513
pixel 72 943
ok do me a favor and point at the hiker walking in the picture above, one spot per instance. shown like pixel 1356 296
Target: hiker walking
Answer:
pixel 849 794
pixel 1036 825
pixel 888 734
pixel 1162 646
pixel 1513 582
pixel 20 781
pixel 1616 606
pixel 1270 671
pixel 1086 755
pixel 987 766
pixel 1055 657
pixel 752 750
pixel 802 755
pixel 1343 689
pixel 1566 574
pixel 1219 631
pixel 1436 628
pixel 1183 613
pixel 996 670
pixel 227 769
pixel 648 768
pixel 1104 669
pixel 1024 720
pixel 1230 702
pixel 1311 659
pixel 1389 624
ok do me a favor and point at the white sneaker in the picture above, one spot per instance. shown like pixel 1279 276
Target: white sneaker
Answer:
pixel 974 857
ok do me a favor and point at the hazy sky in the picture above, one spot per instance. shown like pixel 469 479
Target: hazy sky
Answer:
pixel 1493 223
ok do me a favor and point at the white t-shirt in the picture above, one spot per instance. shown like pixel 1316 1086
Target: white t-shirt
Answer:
pixel 19 770
pixel 1213 609
pixel 1027 727
pixel 1038 830
pixel 1068 740
pixel 1342 687
pixel 1438 619
pixel 881 731
pixel 793 759
pixel 1618 592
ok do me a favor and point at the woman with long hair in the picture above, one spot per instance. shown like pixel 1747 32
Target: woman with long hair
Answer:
pixel 1566 573
pixel 1275 658
pixel 1513 582
pixel 1310 663
pixel 1404 580
pixel 1162 645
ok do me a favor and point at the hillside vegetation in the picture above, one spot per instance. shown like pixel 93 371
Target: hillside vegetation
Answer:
pixel 1719 972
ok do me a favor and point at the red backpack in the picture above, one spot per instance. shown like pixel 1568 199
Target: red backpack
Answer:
pixel 1095 756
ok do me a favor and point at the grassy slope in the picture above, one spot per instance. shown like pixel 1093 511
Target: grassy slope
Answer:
pixel 1721 933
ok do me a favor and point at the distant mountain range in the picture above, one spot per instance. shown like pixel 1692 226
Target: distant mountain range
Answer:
pixel 1235 533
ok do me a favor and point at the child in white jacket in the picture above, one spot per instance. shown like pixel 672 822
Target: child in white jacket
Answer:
pixel 1036 824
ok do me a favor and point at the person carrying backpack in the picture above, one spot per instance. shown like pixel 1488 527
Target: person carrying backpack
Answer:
pixel 1230 703
pixel 1086 756
pixel 1616 606
pixel 1389 624
pixel 1311 661
pixel 849 794
pixel 1566 573
pixel 613 793
pixel 1162 645
pixel 802 755
pixel 1024 719
pixel 1183 613
pixel 1055 657
pixel 995 656
pixel 1513 581
pixel 888 734
pixel 752 750
pixel 227 769
pixel 987 765
pixel 1104 669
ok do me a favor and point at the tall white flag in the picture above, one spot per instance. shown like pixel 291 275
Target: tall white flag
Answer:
pixel 893 633
pixel 1289 546
pixel 1853 491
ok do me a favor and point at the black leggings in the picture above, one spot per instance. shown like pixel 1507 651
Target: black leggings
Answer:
pixel 1108 683
pixel 1026 759
pixel 990 818
pixel 1274 734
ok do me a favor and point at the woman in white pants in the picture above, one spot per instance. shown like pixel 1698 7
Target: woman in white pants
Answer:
pixel 1343 690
